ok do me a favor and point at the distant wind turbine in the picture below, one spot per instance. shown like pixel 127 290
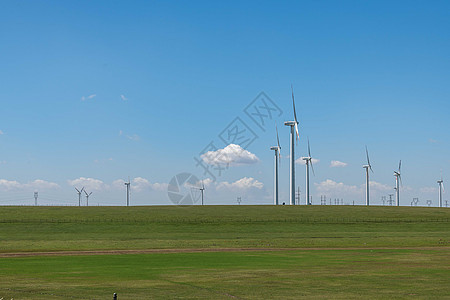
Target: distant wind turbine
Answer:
pixel 127 184
pixel 277 150
pixel 79 195
pixel 367 167
pixel 294 135
pixel 398 180
pixel 441 189
pixel 202 189
pixel 308 161
pixel 87 197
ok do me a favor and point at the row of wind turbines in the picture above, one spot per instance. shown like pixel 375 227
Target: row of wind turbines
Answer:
pixel 294 135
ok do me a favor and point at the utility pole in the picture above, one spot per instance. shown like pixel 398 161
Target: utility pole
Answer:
pixel 35 198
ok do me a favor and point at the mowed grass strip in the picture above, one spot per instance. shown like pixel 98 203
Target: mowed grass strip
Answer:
pixel 32 229
pixel 318 274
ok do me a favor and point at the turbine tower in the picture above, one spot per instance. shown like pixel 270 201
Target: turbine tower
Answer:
pixel 398 180
pixel 79 195
pixel 277 150
pixel 294 135
pixel 202 189
pixel 441 189
pixel 367 167
pixel 87 197
pixel 127 184
pixel 308 161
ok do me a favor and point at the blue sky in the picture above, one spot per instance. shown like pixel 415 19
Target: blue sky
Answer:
pixel 95 91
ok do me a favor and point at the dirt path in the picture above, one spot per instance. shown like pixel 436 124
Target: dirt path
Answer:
pixel 194 250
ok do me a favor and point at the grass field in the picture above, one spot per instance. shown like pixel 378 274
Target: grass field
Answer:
pixel 359 252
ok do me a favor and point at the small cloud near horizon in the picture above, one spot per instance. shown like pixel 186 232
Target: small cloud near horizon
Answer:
pixel 88 97
pixel 337 164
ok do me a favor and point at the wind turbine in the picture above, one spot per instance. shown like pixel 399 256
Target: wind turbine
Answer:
pixel 294 135
pixel 398 180
pixel 87 197
pixel 127 184
pixel 308 160
pixel 367 167
pixel 441 189
pixel 202 189
pixel 79 195
pixel 277 150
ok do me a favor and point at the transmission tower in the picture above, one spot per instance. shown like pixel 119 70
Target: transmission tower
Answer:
pixel 35 198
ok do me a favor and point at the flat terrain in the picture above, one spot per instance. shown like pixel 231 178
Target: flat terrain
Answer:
pixel 221 252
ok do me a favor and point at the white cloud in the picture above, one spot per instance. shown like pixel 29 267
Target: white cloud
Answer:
pixel 133 137
pixel 123 97
pixel 38 184
pixel 1 132
pixel 230 155
pixel 7 185
pixel 242 184
pixel 429 190
pixel 376 186
pixel 332 187
pixel 300 161
pixel 337 164
pixel 88 97
pixel 159 186
pixel 140 184
pixel 90 184
pixel 118 184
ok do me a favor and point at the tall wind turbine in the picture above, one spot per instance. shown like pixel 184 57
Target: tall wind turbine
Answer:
pixel 294 135
pixel 79 195
pixel 308 161
pixel 277 150
pixel 202 189
pixel 127 184
pixel 398 179
pixel 367 167
pixel 87 197
pixel 441 189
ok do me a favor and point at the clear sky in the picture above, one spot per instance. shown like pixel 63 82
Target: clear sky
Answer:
pixel 95 91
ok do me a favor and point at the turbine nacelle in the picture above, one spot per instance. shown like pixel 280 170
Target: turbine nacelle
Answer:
pixel 275 148
pixel 290 123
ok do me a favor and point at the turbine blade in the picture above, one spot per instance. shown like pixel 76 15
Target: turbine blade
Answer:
pixel 293 103
pixel 83 189
pixel 309 150
pixel 368 160
pixel 278 139
pixel 400 178
pixel 296 130
pixel 90 193
pixel 399 166
pixel 77 190
pixel 312 168
pixel 203 185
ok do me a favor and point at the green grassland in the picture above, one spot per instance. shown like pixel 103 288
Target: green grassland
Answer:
pixel 392 252
pixel 103 228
